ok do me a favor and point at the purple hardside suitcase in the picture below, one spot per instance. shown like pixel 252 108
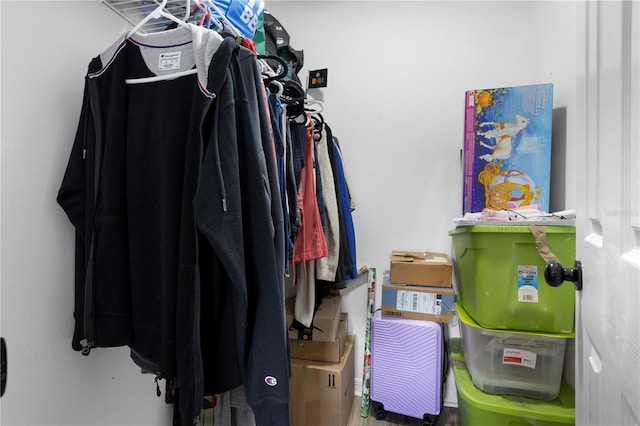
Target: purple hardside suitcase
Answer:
pixel 407 363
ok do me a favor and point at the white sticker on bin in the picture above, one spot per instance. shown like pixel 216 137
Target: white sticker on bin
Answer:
pixel 528 283
pixel 519 357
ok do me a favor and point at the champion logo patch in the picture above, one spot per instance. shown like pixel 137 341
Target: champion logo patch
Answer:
pixel 270 380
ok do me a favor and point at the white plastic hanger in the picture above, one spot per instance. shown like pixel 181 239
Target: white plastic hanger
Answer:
pixel 157 13
pixel 187 12
pixel 165 77
pixel 313 106
pixel 279 86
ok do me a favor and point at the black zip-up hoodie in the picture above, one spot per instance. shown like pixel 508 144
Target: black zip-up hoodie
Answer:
pixel 179 246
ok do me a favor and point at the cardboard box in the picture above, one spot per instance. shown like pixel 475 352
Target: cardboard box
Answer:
pixel 325 321
pixel 322 393
pixel 421 268
pixel 507 147
pixel 321 351
pixel 418 302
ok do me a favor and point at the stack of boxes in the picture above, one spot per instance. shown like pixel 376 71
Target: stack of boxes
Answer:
pixel 513 326
pixel 321 385
pixel 418 287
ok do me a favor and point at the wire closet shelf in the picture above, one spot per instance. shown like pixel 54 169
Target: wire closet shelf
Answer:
pixel 133 11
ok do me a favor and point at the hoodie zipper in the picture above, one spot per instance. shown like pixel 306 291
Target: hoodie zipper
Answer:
pixel 89 336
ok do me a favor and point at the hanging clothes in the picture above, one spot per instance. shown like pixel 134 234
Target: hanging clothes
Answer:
pixel 346 267
pixel 295 219
pixel 232 409
pixel 284 164
pixel 243 15
pixel 277 42
pixel 326 267
pixel 309 243
pixel 173 194
pixel 346 206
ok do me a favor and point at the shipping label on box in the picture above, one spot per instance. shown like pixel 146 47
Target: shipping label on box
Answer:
pixel 507 147
pixel 322 393
pixel 321 351
pixel 420 268
pixel 418 302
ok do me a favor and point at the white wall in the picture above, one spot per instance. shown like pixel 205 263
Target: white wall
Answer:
pixel 46 48
pixel 397 74
pixel 553 46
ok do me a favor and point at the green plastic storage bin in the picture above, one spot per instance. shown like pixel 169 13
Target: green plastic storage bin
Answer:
pixel 500 277
pixel 477 408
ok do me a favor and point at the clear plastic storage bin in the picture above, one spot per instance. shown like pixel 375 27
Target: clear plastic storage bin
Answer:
pixel 512 363
pixel 478 408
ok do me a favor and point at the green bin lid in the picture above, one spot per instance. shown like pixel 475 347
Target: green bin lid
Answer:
pixel 511 229
pixel 467 320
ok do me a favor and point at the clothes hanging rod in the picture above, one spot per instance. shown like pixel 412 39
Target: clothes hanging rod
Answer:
pixel 133 11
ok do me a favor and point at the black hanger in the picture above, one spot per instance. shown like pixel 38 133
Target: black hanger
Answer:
pixel 293 96
pixel 293 92
pixel 318 124
pixel 283 66
pixel 318 121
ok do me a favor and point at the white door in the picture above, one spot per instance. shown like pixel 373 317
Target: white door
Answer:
pixel 608 222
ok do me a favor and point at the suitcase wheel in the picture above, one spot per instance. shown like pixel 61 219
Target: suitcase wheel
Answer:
pixel 429 420
pixel 378 410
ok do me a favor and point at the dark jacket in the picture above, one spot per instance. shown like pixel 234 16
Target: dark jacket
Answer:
pixel 169 190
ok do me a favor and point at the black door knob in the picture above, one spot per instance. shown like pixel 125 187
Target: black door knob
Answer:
pixel 3 363
pixel 555 274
